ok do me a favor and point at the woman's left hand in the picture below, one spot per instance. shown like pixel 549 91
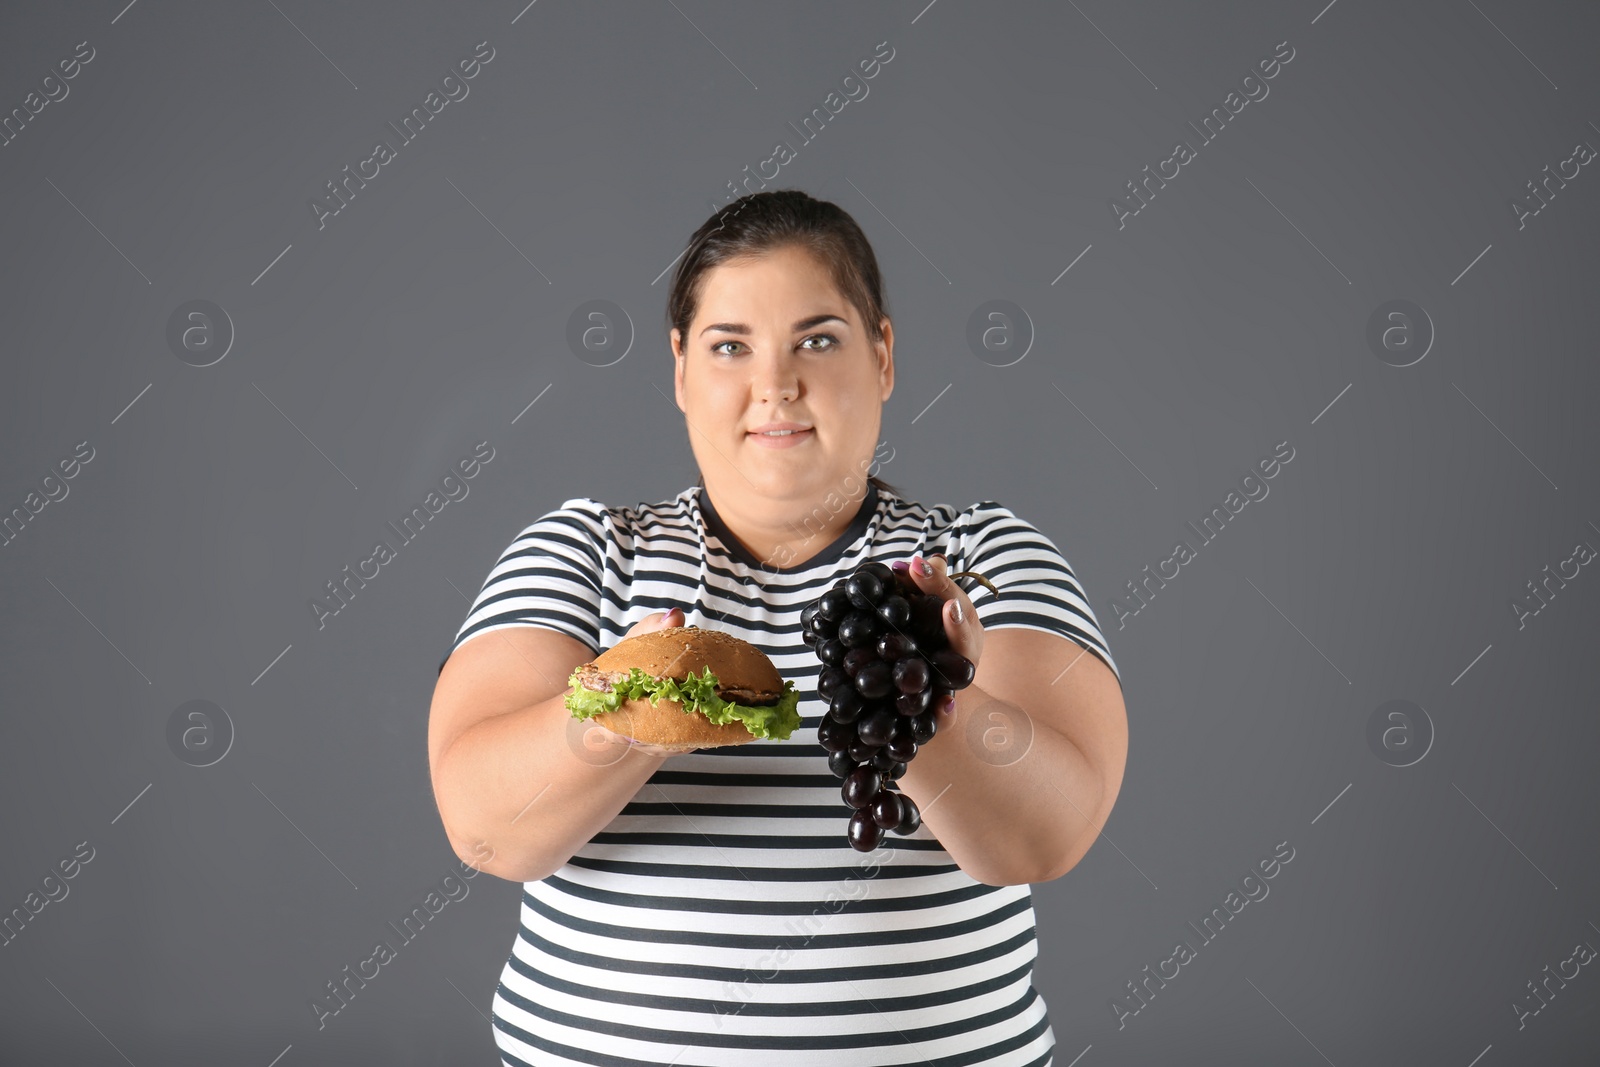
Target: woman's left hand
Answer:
pixel 961 625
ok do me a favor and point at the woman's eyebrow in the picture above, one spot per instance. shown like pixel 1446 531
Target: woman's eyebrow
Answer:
pixel 803 324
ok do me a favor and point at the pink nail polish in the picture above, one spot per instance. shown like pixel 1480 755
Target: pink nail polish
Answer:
pixel 920 566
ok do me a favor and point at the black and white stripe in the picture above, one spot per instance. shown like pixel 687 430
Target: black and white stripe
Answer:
pixel 722 913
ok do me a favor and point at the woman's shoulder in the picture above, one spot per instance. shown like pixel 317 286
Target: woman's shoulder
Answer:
pixel 944 516
pixel 607 521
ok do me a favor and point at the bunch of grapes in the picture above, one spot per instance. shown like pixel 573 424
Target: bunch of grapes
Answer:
pixel 886 667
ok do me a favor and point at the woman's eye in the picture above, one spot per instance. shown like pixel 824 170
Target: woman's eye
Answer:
pixel 716 349
pixel 833 342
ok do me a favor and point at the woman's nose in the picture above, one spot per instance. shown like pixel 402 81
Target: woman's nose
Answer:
pixel 776 380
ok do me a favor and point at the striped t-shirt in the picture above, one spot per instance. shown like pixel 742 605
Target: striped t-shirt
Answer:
pixel 722 915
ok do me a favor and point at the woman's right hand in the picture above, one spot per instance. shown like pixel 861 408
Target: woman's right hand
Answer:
pixel 660 620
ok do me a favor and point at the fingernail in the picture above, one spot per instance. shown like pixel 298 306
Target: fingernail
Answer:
pixel 900 565
pixel 920 566
pixel 958 612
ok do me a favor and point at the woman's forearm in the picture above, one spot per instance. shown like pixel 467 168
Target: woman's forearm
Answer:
pixel 515 783
pixel 1008 818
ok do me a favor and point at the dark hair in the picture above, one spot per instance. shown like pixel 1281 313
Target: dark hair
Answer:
pixel 771 219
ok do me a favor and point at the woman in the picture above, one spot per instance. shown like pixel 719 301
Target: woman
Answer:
pixel 706 908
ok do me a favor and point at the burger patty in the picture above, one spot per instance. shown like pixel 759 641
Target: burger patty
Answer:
pixel 601 681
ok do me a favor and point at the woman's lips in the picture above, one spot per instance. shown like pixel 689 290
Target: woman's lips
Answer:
pixel 790 440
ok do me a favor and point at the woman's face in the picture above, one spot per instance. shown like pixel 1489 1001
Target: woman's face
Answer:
pixel 773 341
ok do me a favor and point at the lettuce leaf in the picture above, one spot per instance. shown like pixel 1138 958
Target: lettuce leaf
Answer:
pixel 698 695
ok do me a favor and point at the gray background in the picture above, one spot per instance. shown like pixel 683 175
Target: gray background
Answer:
pixel 1228 315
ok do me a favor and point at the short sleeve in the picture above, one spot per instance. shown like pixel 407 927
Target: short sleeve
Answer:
pixel 1038 589
pixel 549 576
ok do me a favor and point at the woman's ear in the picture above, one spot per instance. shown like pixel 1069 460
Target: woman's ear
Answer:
pixel 677 367
pixel 886 361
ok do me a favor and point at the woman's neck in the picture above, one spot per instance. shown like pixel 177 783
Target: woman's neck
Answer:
pixel 786 533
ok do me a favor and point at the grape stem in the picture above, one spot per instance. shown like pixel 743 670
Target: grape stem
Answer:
pixel 986 583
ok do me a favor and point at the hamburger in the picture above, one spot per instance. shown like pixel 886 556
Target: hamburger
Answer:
pixel 685 688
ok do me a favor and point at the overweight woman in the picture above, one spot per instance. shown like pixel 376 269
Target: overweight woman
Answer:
pixel 706 907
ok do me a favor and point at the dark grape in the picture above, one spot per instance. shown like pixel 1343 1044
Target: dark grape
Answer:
pixel 892 646
pixel 897 771
pixel 859 629
pixel 835 736
pixel 860 751
pixel 808 638
pixel 951 669
pixel 855 659
pixel 902 748
pixel 876 726
pixel 822 628
pixel 841 764
pixel 911 675
pixel 910 817
pixel 864 589
pixel 884 572
pixel 886 810
pixel 846 705
pixel 831 652
pixel 913 703
pixel 923 727
pixel 882 760
pixel 895 611
pixel 806 615
pixel 861 786
pixel 927 621
pixel 905 585
pixel 830 681
pixel 863 834
pixel 834 605
pixel 874 680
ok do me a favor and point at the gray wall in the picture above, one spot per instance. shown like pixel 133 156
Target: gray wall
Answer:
pixel 1244 305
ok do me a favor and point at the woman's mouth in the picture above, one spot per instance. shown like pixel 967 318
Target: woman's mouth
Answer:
pixel 789 438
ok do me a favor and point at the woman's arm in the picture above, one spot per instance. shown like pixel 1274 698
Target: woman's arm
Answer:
pixel 511 770
pixel 1018 783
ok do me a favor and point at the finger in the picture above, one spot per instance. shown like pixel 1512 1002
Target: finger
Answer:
pixel 960 618
pixel 940 584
